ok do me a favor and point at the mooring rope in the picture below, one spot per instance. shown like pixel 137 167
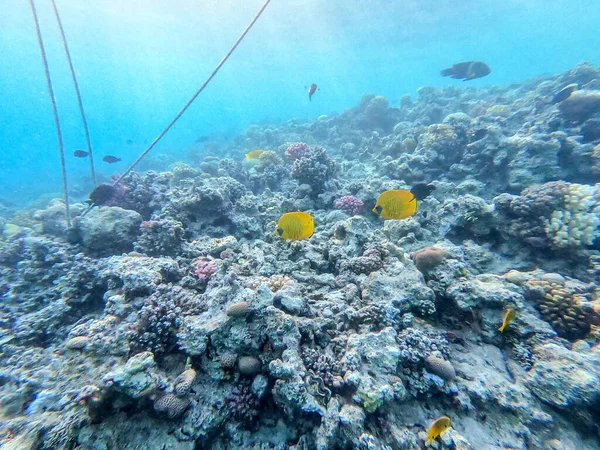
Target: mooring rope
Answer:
pixel 187 105
pixel 77 93
pixel 191 100
pixel 54 110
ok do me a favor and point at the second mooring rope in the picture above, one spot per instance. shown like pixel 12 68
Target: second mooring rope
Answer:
pixel 54 110
pixel 77 93
pixel 191 100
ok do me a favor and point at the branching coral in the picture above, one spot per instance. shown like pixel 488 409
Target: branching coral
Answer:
pixel 351 204
pixel 314 169
pixel 569 305
pixel 578 223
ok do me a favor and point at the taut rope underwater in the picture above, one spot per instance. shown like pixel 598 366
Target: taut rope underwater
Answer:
pixel 187 105
pixel 77 93
pixel 54 110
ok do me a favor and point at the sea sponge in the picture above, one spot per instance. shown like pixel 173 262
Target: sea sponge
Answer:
pixel 428 258
pixel 579 222
pixel 238 310
pixel 442 368
pixel 171 405
pixel 249 365
pixel 183 383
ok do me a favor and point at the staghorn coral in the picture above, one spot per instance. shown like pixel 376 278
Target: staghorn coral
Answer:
pixel 171 406
pixel 351 204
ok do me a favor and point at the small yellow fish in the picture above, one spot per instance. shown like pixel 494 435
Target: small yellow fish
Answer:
pixel 295 226
pixel 509 316
pixel 254 154
pixel 437 428
pixel 398 204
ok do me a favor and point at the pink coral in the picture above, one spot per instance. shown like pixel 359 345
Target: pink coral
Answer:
pixel 349 203
pixel 297 150
pixel 204 268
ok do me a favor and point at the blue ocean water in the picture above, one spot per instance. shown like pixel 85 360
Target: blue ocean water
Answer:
pixel 138 62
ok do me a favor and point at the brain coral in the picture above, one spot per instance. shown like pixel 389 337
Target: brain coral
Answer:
pixel 440 367
pixel 239 309
pixel 184 382
pixel 171 405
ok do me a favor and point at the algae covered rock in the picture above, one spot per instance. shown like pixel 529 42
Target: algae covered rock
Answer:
pixel 137 377
pixel 565 378
pixel 109 230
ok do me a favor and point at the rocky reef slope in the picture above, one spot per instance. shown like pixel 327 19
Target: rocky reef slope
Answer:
pixel 174 318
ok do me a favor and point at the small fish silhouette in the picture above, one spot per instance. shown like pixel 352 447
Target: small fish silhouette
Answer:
pixel 468 70
pixel 80 154
pixel 111 159
pixel 509 316
pixel 311 90
pixel 566 92
pixel 422 190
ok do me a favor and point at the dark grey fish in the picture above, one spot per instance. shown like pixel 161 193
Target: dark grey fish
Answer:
pixel 311 90
pixel 111 159
pixel 479 134
pixel 468 70
pixel 422 190
pixel 565 92
pixel 102 194
pixel 80 154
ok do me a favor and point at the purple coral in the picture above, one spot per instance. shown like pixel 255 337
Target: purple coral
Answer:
pixel 204 268
pixel 349 203
pixel 314 169
pixel 243 404
pixel 297 150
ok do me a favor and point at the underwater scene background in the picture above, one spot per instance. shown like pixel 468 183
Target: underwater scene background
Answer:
pixel 139 62
pixel 378 227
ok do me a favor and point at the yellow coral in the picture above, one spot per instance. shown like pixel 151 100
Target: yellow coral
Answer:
pixel 571 307
pixel 579 222
pixel 499 110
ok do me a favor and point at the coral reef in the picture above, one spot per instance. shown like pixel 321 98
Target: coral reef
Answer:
pixel 174 317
